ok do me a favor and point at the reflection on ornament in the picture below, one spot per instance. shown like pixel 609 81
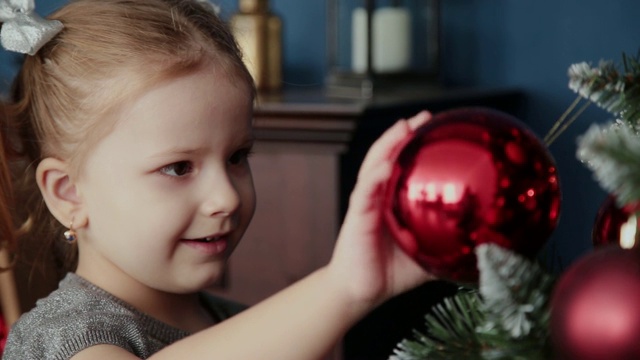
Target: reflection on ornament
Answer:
pixel 616 225
pixel 467 177
pixel 594 307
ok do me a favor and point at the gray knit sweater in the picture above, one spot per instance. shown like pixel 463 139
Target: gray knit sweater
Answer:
pixel 79 314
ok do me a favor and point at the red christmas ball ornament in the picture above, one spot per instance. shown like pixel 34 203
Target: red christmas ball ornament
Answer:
pixel 471 176
pixel 617 225
pixel 594 307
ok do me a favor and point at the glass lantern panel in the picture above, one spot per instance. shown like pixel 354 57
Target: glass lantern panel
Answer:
pixel 403 38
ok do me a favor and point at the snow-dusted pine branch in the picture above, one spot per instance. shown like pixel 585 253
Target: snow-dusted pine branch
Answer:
pixel 612 152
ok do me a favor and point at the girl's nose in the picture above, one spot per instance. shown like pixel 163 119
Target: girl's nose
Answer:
pixel 221 197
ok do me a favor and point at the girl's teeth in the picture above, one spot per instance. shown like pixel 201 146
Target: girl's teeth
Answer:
pixel 207 239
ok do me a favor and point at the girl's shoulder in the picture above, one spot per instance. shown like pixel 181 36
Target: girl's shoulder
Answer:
pixel 78 315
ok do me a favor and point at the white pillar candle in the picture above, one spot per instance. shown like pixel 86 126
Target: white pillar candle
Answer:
pixel 391 40
pixel 359 40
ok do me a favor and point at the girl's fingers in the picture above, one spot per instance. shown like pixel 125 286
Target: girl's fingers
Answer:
pixel 385 143
pixel 384 148
pixel 377 167
pixel 367 194
pixel 413 123
pixel 419 119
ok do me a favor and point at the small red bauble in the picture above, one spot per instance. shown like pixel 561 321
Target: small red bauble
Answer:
pixel 616 225
pixel 471 176
pixel 594 307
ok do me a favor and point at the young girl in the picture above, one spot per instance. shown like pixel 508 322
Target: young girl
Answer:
pixel 134 120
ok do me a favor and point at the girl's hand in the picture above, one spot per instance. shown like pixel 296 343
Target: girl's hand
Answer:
pixel 367 264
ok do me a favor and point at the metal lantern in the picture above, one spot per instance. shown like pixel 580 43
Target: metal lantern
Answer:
pixel 377 45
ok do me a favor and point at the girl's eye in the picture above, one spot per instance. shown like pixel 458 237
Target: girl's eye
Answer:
pixel 240 156
pixel 178 169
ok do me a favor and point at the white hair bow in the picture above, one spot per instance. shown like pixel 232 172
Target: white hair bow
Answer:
pixel 23 30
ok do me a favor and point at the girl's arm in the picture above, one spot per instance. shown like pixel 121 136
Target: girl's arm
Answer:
pixel 307 319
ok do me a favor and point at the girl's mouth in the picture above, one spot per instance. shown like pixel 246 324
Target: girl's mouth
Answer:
pixel 210 245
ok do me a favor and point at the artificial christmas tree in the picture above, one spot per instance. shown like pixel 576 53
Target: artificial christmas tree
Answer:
pixel 521 311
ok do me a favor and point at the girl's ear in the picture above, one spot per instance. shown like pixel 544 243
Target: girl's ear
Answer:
pixel 60 193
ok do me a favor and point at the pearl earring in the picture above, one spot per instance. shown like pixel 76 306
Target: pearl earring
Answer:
pixel 70 235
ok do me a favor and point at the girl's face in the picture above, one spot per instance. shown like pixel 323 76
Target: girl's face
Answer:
pixel 168 193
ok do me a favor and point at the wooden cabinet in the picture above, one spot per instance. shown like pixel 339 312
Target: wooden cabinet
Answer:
pixel 308 152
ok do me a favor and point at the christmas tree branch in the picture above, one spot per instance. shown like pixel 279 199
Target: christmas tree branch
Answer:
pixel 612 151
pixel 511 302
pixel 450 331
pixel 615 91
pixel 562 123
pixel 506 319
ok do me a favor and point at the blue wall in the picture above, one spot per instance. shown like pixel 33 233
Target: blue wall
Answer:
pixel 528 44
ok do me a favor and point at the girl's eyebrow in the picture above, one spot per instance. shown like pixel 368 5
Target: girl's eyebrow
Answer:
pixel 247 140
pixel 177 151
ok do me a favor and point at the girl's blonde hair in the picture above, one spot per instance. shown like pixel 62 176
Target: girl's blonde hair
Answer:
pixel 108 51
